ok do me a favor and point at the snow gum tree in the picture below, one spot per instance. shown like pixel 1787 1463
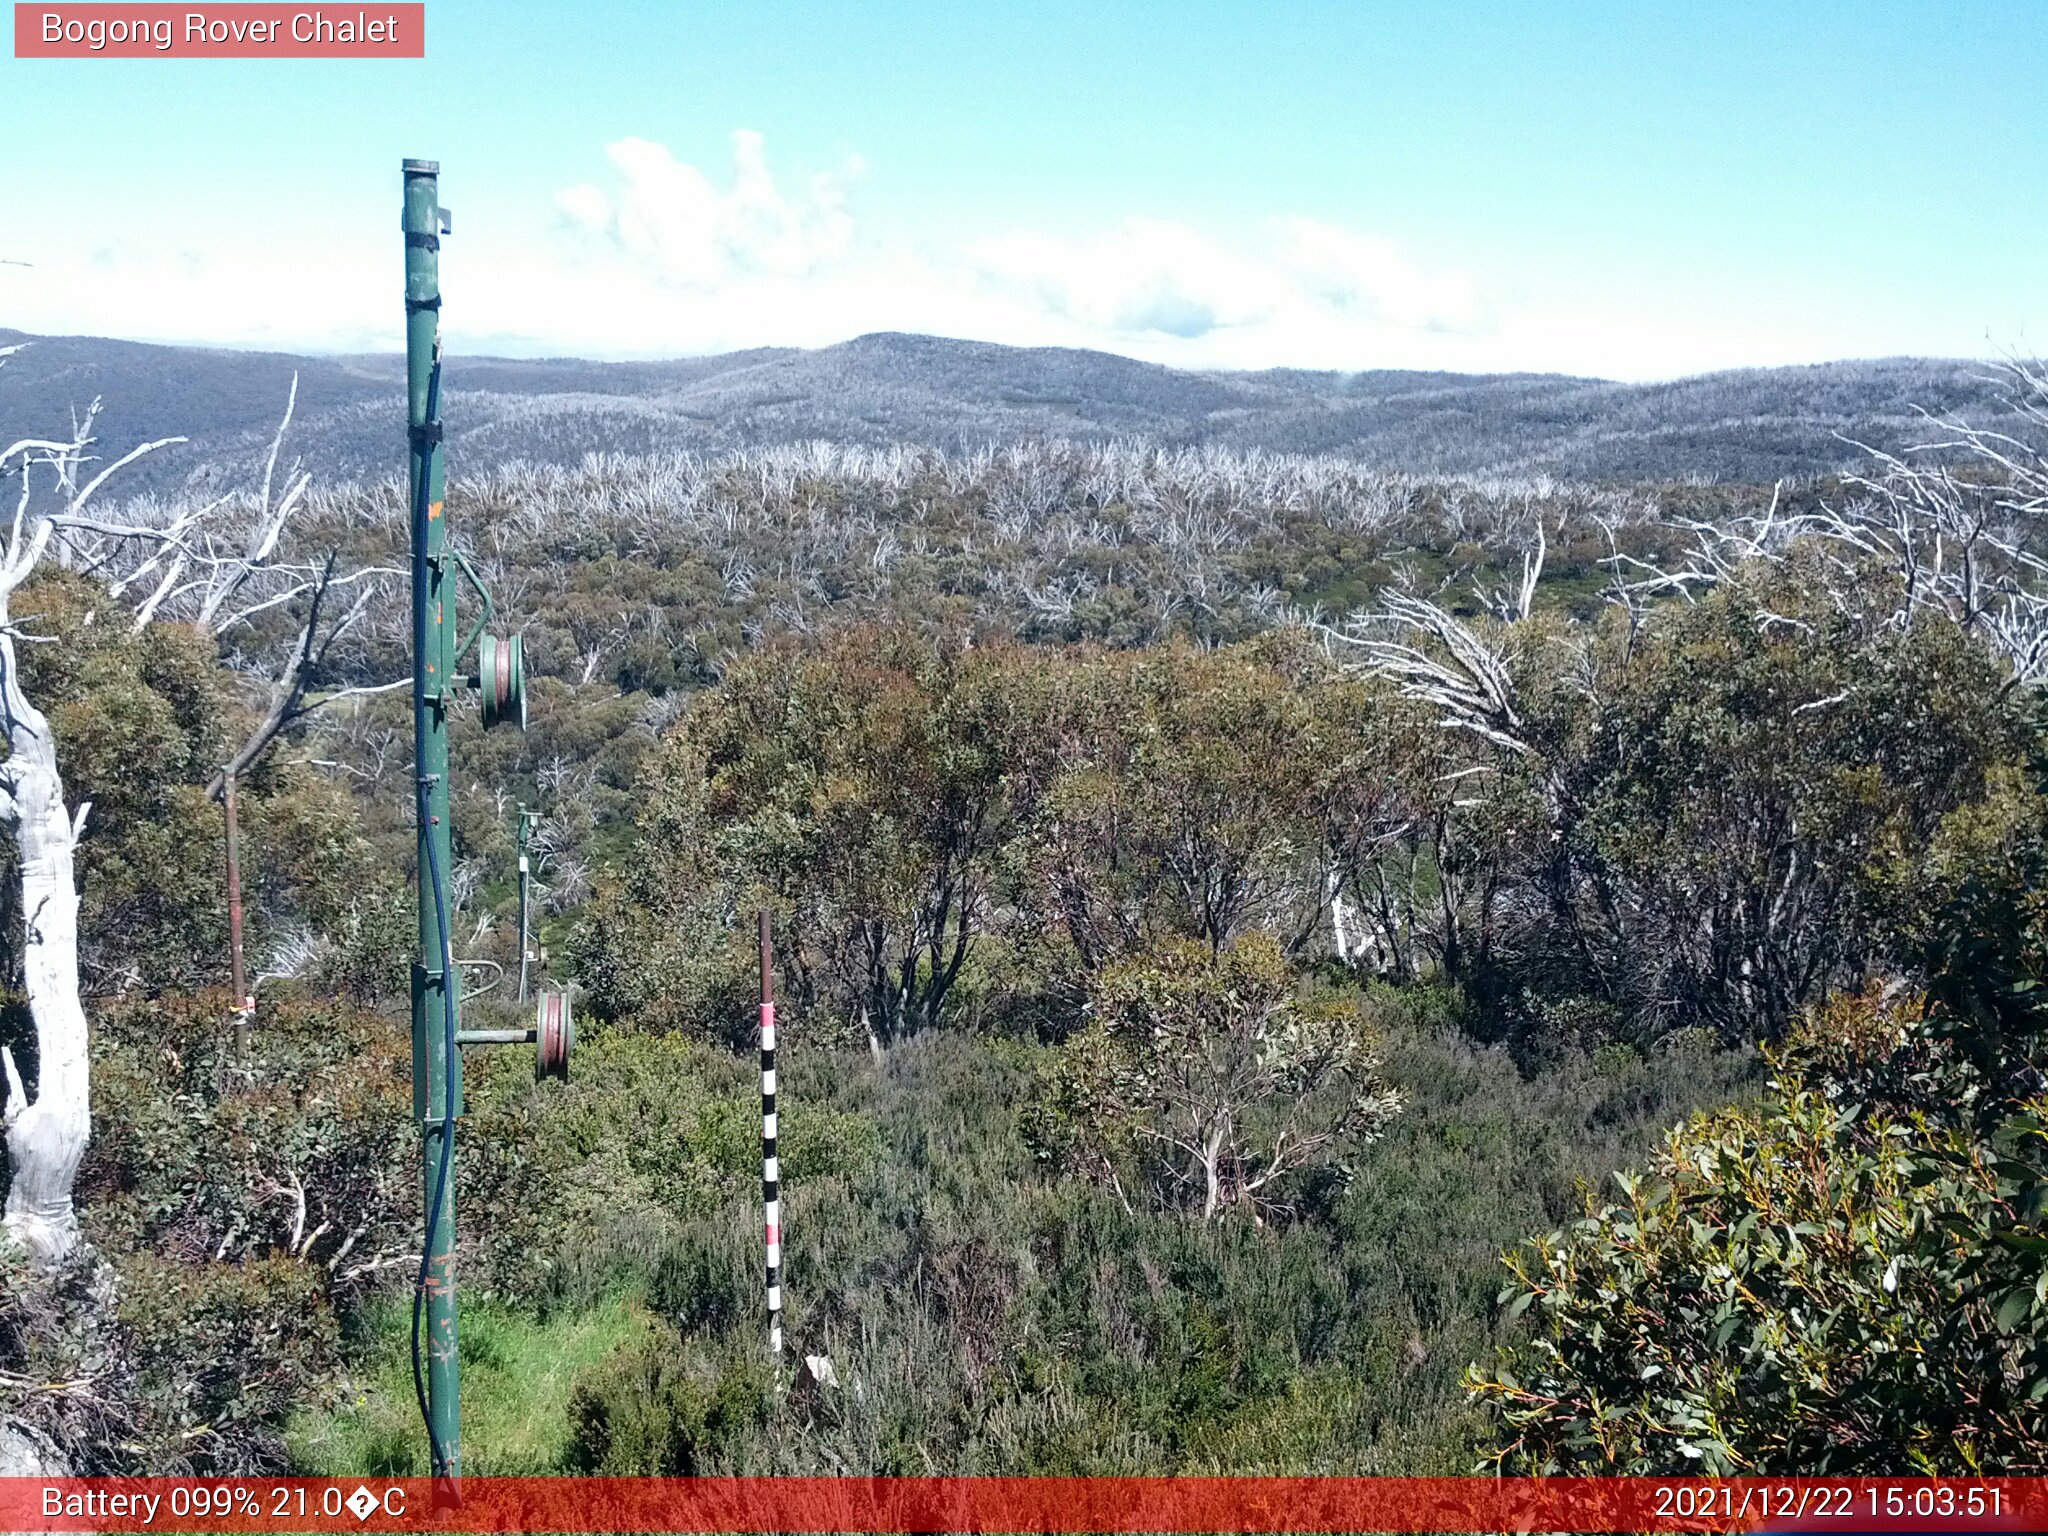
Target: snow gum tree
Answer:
pixel 1209 1080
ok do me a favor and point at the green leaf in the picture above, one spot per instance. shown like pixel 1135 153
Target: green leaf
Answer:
pixel 2015 1306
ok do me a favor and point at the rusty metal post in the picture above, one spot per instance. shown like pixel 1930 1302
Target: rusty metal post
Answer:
pixel 244 1003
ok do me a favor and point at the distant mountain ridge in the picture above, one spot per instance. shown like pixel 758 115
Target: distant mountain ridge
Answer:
pixel 1749 425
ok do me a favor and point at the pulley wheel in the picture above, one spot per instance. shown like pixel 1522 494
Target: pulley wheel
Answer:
pixel 501 679
pixel 554 1035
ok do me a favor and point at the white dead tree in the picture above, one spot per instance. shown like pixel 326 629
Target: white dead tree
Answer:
pixel 1510 605
pixel 215 565
pixel 1437 658
pixel 1720 550
pixel 220 566
pixel 1463 674
pixel 46 1135
pixel 1962 519
pixel 289 697
pixel 1959 522
pixel 1462 671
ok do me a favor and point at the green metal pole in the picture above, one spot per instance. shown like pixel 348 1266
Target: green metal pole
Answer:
pixel 436 1069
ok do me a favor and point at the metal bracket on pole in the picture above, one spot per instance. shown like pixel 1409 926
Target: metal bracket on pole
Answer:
pixel 553 1033
pixel 483 594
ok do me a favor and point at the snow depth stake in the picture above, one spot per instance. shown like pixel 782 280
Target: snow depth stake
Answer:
pixel 771 1169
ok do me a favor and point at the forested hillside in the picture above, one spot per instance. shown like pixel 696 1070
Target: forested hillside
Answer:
pixel 881 391
pixel 1226 899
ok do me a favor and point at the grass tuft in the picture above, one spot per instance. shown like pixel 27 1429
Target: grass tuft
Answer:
pixel 518 1370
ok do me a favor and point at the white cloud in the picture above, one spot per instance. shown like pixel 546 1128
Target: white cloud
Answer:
pixel 663 258
pixel 585 206
pixel 1370 274
pixel 285 293
pixel 672 217
pixel 1145 276
pixel 1150 279
pixel 790 267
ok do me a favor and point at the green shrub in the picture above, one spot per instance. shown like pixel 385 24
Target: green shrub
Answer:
pixel 1851 1276
pixel 1784 1290
pixel 1736 807
pixel 156 1367
pixel 223 1353
pixel 305 1150
pixel 652 1410
pixel 66 1371
pixel 561 1180
pixel 143 721
pixel 1208 1082
pixel 235 1203
pixel 372 940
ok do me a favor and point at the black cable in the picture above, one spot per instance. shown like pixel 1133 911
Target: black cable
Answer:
pixel 424 785
pixel 437 1450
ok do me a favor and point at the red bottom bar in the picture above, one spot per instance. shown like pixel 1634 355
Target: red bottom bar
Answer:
pixel 932 1504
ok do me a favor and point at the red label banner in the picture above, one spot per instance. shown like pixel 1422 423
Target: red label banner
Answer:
pixel 1066 1504
pixel 261 31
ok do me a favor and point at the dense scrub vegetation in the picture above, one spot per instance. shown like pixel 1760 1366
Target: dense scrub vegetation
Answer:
pixel 1222 904
pixel 1848 1277
pixel 984 1316
pixel 1691 828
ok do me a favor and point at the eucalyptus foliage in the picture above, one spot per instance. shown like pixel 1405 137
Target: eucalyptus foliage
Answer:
pixel 1206 1081
pixel 1853 1276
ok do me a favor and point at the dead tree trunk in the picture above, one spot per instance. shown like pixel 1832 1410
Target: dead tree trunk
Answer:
pixel 46 1137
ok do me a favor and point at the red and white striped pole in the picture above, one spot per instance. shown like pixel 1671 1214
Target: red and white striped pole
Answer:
pixel 771 1171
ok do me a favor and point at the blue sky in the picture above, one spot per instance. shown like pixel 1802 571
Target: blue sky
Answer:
pixel 1635 190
